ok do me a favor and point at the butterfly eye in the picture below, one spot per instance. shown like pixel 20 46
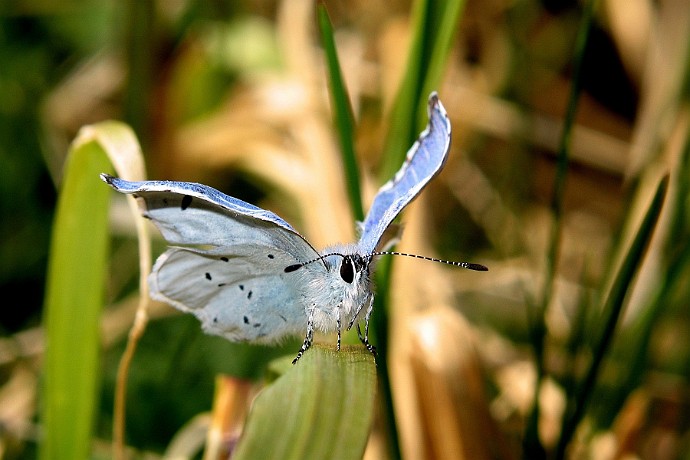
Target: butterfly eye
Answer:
pixel 347 270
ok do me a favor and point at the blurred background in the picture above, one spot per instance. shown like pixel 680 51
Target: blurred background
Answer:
pixel 234 94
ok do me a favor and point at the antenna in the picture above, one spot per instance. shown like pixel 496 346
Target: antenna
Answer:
pixel 292 268
pixel 467 265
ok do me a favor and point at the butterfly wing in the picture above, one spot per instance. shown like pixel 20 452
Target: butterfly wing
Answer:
pixel 239 296
pixel 424 160
pixel 195 215
pixel 227 264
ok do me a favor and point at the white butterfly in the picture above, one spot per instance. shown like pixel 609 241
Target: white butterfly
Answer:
pixel 248 276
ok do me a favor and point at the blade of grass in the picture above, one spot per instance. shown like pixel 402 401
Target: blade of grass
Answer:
pixel 342 113
pixel 611 313
pixel 633 351
pixel 75 290
pixel 322 407
pixel 532 447
pixel 434 23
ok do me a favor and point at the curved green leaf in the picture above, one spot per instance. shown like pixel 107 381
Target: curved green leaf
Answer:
pixel 322 407
pixel 75 290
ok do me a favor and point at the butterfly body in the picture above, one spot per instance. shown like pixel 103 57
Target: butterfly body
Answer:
pixel 248 276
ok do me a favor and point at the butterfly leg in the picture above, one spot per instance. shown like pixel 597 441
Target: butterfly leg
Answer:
pixel 365 339
pixel 359 310
pixel 307 339
pixel 337 320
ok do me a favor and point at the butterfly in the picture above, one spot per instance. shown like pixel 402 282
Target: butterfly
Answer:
pixel 249 276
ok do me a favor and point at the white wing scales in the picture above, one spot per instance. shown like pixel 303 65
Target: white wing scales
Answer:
pixel 236 297
pixel 227 261
pixel 189 214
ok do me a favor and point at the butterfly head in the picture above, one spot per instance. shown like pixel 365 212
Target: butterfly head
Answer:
pixel 352 266
pixel 348 266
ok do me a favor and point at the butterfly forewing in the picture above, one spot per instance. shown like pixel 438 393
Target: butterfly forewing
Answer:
pixel 424 160
pixel 195 215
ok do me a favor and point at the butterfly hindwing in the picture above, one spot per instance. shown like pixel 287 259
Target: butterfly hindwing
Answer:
pixel 424 160
pixel 241 297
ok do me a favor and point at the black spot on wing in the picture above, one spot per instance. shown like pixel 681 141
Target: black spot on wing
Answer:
pixel 249 295
pixel 221 284
pixel 271 256
pixel 208 276
pixel 246 321
pixel 224 259
pixel 186 201
pixel 241 287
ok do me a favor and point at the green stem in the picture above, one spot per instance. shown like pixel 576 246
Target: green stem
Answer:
pixel 533 446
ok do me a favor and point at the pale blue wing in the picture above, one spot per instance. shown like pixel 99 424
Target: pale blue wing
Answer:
pixel 424 160
pixel 244 297
pixel 195 215
pixel 227 264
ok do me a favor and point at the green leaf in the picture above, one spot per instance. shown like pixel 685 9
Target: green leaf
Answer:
pixel 75 290
pixel 322 407
pixel 342 112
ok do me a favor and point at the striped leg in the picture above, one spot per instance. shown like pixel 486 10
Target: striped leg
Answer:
pixel 307 339
pixel 365 339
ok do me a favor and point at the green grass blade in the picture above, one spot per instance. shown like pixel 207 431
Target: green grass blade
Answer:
pixel 632 349
pixel 342 112
pixel 434 23
pixel 446 16
pixel 75 290
pixel 532 444
pixel 322 407
pixel 611 313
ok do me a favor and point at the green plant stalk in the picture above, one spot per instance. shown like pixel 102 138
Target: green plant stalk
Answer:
pixel 379 337
pixel 612 311
pixel 434 23
pixel 428 53
pixel 140 40
pixel 342 113
pixel 74 297
pixel 532 445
